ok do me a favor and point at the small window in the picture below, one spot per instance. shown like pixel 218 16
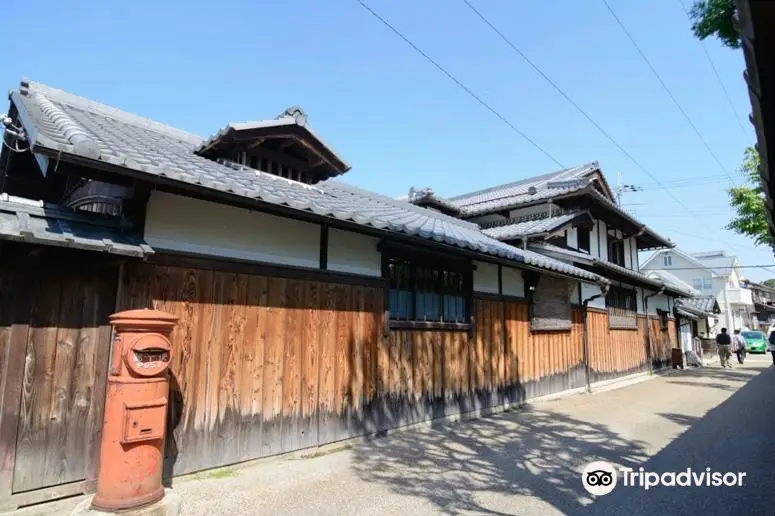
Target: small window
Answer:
pixel 622 308
pixel 616 252
pixel 707 284
pixel 697 283
pixel 667 260
pixel 662 319
pixel 420 291
pixel 583 239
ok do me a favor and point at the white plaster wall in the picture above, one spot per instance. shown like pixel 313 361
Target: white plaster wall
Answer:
pixel 639 300
pixel 573 238
pixel 353 253
pixel 513 284
pixel 628 245
pixel 593 238
pixel 574 293
pixel 588 291
pixel 486 277
pixel 603 237
pixel 661 301
pixel 178 223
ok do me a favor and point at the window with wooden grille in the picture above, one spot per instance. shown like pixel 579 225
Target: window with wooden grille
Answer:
pixel 662 319
pixel 421 291
pixel 622 307
pixel 616 252
pixel 583 239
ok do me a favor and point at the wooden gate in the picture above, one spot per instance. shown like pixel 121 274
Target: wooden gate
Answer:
pixel 54 349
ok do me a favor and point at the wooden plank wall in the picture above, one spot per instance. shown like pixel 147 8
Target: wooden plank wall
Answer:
pixel 268 365
pixel 54 347
pixel 261 365
pixel 614 353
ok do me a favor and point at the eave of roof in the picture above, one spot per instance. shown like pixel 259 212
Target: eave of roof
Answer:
pixel 532 226
pixel 284 126
pixel 756 20
pixel 71 129
pixel 27 220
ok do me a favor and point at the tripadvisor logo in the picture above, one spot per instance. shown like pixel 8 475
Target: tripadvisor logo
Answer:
pixel 599 478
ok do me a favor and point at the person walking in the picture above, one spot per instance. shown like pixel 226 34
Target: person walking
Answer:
pixel 771 346
pixel 738 346
pixel 723 341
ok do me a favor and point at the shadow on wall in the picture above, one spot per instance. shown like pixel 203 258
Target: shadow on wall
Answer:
pixel 532 452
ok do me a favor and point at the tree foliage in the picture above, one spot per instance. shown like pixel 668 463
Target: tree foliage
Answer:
pixel 715 18
pixel 770 283
pixel 748 203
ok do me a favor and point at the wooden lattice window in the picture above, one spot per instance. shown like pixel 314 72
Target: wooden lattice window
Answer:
pixel 419 290
pixel 622 307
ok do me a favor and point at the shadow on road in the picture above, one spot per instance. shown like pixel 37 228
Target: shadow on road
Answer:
pixel 736 436
pixel 530 452
pixel 680 419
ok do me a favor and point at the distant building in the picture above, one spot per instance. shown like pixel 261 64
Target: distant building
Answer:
pixel 715 273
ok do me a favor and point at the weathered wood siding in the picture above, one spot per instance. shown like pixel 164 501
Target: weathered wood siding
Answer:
pixel 540 363
pixel 614 353
pixel 261 365
pixel 54 351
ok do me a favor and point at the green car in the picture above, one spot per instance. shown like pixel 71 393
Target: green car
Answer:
pixel 755 341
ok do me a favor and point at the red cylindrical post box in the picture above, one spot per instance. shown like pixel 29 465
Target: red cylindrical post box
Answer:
pixel 132 451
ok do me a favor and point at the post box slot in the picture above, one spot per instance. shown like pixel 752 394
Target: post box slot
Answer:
pixel 144 421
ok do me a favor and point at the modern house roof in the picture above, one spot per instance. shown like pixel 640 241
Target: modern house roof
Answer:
pixel 532 225
pixel 25 220
pixel 715 262
pixel 675 282
pixel 66 127
pixel 721 263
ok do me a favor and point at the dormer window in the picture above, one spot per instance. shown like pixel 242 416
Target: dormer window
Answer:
pixel 285 147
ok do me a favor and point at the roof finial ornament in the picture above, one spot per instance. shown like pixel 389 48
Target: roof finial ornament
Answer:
pixel 296 113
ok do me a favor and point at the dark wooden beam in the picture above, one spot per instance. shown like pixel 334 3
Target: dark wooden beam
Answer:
pixel 281 158
pixel 324 246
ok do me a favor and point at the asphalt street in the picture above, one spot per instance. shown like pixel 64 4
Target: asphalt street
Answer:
pixel 529 461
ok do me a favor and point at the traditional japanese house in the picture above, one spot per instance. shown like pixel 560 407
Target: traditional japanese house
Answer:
pixel 571 215
pixel 310 311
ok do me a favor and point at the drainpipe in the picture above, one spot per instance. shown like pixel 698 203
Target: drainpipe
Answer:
pixel 648 326
pixel 603 292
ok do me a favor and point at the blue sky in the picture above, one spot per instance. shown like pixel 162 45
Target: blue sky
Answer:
pixel 199 65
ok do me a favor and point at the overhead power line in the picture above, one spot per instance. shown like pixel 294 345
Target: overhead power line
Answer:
pixel 581 110
pixel 460 84
pixel 667 90
pixel 718 76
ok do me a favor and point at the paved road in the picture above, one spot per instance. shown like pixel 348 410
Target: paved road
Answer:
pixel 528 462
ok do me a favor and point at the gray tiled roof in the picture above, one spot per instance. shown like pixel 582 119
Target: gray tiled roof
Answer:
pixel 530 226
pixel 518 192
pixel 62 122
pixel 426 196
pixel 578 257
pixel 30 221
pixel 699 304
